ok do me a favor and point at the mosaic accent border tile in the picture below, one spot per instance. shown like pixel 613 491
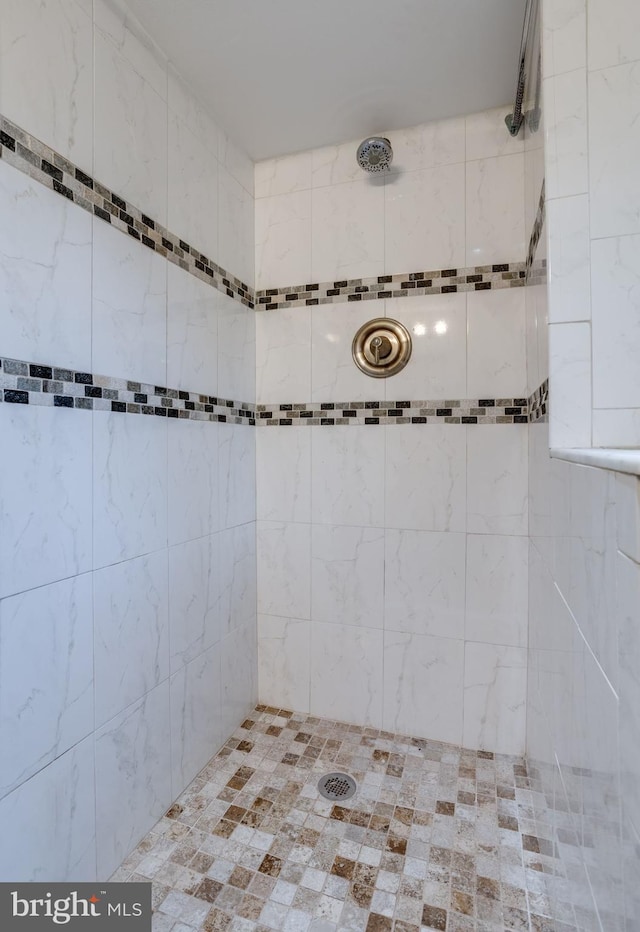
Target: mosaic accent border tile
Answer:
pixel 536 233
pixel 23 382
pixel 539 404
pixel 34 158
pixel 37 160
pixel 447 411
pixel 36 384
pixel 402 285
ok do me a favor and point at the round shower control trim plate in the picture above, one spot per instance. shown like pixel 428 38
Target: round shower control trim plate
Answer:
pixel 381 347
pixel 337 786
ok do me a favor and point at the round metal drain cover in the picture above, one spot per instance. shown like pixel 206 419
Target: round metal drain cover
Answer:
pixel 337 786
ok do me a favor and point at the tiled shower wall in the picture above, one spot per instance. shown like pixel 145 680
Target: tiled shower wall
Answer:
pixel 591 67
pixel 127 553
pixel 392 560
pixel 583 731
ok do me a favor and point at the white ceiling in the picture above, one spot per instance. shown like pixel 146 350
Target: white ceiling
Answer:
pixel 287 75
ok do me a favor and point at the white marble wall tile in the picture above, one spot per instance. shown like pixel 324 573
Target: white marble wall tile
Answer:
pixel 614 33
pixel 283 355
pixel 564 36
pixel 627 496
pixel 427 145
pixel 628 619
pixel 542 316
pixel 196 732
pixel 438 328
pixel 424 219
pixel 615 283
pixel 424 583
pixel 236 242
pixel 487 136
pixel 193 479
pixel 192 196
pixel 192 333
pixel 423 678
pixel 496 344
pixel 533 179
pixel 131 625
pixel 283 662
pixel 347 575
pixel 497 490
pixel 237 574
pixel 54 101
pixel 602 796
pixel 495 684
pixel 129 486
pixel 283 239
pixel 284 474
pixel 494 210
pixel 334 375
pixel 129 316
pixel 239 666
pixel 531 340
pixel 130 133
pixel 347 230
pixel 283 175
pixel 237 475
pixel 45 274
pixel 346 673
pixel 284 569
pixel 497 572
pixel 182 102
pixel 194 600
pixel 570 367
pixel 347 476
pixel 50 820
pixel 590 592
pixel 425 478
pixel 616 427
pixel 630 870
pixel 236 350
pixel 569 259
pixel 133 776
pixel 566 160
pixel 236 162
pixel 114 20
pixel 46 676
pixel 45 496
pixel 614 144
pixel 331 165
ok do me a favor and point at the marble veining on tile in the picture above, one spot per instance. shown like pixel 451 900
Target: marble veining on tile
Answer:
pixel 436 837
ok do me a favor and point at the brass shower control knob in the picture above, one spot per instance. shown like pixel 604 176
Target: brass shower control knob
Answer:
pixel 381 347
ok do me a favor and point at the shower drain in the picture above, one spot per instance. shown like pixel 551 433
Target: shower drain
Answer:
pixel 337 786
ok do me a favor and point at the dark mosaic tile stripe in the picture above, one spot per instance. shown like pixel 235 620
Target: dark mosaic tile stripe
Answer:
pixel 536 233
pixel 26 153
pixel 539 403
pixel 404 284
pixel 41 163
pixel 385 413
pixel 30 383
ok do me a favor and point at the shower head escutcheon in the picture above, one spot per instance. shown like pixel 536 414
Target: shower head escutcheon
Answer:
pixel 375 154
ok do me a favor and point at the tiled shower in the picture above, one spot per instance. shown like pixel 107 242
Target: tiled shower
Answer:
pixel 206 507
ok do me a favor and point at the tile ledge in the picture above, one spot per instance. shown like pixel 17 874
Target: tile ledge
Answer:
pixel 617 460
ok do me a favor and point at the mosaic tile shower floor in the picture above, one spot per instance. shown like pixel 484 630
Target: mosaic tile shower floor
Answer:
pixel 436 837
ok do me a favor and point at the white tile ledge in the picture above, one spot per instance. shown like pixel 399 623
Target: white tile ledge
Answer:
pixel 616 460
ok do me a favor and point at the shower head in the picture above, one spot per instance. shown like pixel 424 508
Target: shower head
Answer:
pixel 375 154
